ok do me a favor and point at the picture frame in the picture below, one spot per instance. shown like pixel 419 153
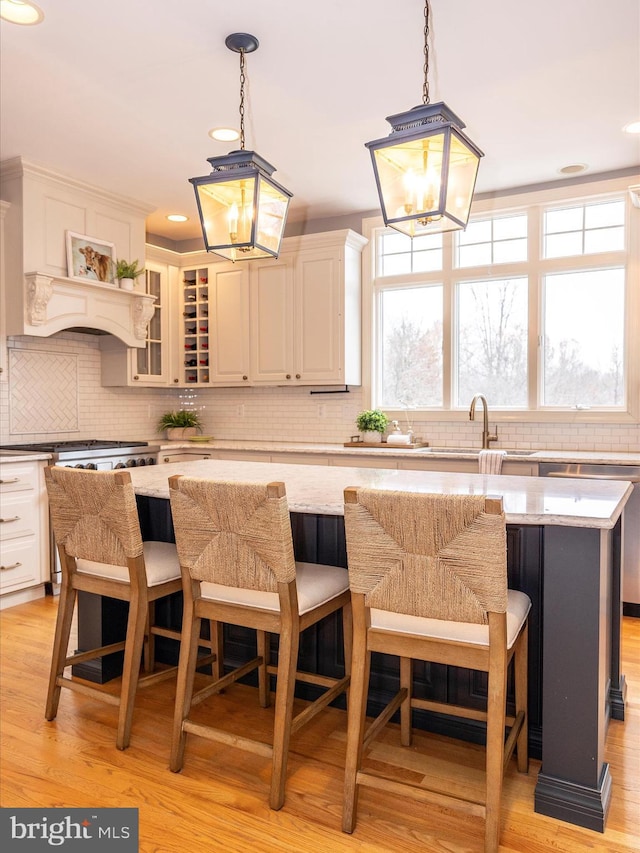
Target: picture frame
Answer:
pixel 90 259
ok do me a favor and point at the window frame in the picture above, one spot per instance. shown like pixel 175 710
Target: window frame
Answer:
pixel 534 204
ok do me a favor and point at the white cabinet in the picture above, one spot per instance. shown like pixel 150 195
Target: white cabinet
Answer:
pixel 272 322
pixel 290 321
pixel 154 364
pixel 306 312
pixel 229 329
pixel 24 526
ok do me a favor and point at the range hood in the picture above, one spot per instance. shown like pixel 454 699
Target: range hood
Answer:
pixel 38 208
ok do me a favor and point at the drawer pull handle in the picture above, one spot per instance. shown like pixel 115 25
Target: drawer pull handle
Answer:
pixel 6 568
pixel 12 480
pixel 6 520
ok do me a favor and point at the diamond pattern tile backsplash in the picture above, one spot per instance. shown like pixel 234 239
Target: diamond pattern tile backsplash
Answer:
pixel 44 392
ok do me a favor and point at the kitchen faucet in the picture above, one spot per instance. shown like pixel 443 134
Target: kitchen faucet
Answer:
pixel 486 435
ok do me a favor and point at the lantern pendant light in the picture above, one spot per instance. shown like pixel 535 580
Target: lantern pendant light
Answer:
pixel 426 168
pixel 242 210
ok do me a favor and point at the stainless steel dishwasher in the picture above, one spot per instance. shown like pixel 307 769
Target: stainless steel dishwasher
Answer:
pixel 631 533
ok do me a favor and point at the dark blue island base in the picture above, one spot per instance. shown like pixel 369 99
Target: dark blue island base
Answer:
pixel 571 574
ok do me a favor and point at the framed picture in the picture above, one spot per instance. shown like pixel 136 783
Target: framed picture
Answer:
pixel 90 259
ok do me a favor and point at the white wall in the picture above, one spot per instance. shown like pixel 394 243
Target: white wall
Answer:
pixel 65 368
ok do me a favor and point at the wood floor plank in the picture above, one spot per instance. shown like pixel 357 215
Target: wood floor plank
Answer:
pixel 219 801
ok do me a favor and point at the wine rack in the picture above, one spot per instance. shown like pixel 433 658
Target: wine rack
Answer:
pixel 195 313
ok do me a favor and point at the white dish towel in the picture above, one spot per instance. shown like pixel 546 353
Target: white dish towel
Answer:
pixel 490 461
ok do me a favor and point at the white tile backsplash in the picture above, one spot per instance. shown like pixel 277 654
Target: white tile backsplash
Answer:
pixel 287 414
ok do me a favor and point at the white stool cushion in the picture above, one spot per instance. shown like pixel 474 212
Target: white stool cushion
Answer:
pixel 160 560
pixel 518 606
pixel 316 584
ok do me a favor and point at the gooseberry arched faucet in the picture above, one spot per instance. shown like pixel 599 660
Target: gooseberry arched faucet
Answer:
pixel 486 435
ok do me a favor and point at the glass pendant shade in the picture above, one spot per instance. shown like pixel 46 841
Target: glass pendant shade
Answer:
pixel 242 210
pixel 425 171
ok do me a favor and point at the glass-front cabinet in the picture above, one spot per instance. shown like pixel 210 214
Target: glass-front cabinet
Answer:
pixel 154 363
pixel 149 359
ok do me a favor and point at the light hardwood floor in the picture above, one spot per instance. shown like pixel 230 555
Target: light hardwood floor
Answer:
pixel 219 801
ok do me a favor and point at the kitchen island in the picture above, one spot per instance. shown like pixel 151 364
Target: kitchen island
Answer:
pixel 564 551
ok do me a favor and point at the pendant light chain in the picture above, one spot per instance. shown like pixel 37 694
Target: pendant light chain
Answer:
pixel 242 82
pixel 425 86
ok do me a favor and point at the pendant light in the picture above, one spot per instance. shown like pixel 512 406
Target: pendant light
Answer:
pixel 242 209
pixel 426 168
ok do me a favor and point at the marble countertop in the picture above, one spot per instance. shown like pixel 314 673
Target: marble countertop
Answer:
pixel 319 489
pixel 587 456
pixel 22 456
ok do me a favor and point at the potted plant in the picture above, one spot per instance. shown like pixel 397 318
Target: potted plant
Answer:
pixel 127 272
pixel 180 424
pixel 372 423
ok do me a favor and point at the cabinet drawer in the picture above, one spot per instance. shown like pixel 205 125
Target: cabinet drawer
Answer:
pixel 18 477
pixel 18 515
pixel 20 564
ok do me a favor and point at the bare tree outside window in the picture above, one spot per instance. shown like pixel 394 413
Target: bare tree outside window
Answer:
pixel 411 347
pixel 584 339
pixel 492 342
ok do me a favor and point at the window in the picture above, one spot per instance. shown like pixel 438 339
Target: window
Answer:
pixel 527 307
pixel 492 241
pixel 584 230
pixel 491 336
pixel 583 321
pixel 411 346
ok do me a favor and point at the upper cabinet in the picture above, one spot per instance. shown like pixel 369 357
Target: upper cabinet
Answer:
pixel 155 363
pixel 294 320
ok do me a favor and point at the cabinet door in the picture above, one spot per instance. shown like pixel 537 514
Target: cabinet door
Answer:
pixel 153 364
pixel 150 365
pixel 272 321
pixel 319 317
pixel 229 324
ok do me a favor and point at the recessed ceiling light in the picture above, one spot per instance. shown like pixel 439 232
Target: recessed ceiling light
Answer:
pixel 19 12
pixel 632 127
pixel 177 217
pixel 573 169
pixel 224 134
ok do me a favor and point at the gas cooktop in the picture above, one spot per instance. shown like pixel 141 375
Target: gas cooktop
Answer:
pixel 75 445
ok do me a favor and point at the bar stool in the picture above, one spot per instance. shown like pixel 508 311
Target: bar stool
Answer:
pixel 428 578
pixel 97 532
pixel 236 552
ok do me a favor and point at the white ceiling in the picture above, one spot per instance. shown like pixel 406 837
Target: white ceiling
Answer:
pixel 121 94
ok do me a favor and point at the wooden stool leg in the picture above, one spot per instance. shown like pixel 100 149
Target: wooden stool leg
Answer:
pixel 150 644
pixel 406 681
pixel 66 605
pixel 264 651
pixel 356 717
pixel 217 648
pixel 184 685
pixel 136 625
pixel 521 667
pixel 285 686
pixel 347 633
pixel 496 713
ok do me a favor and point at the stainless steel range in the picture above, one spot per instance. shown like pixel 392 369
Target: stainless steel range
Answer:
pixel 93 454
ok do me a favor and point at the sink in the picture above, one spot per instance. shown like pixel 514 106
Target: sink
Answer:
pixel 469 451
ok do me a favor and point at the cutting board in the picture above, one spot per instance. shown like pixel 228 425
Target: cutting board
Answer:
pixel 383 445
